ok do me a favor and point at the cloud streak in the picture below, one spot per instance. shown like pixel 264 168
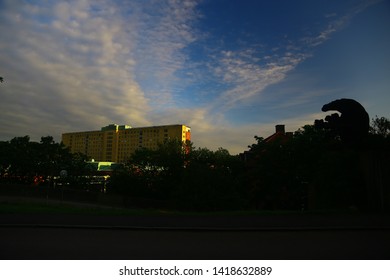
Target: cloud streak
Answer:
pixel 83 64
pixel 338 23
pixel 249 75
pixel 80 65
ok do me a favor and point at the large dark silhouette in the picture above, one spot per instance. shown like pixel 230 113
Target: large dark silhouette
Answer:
pixel 352 125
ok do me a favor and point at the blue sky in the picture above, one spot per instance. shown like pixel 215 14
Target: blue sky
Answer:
pixel 228 69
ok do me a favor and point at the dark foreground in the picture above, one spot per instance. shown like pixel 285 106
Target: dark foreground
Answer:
pixel 66 243
pixel 59 236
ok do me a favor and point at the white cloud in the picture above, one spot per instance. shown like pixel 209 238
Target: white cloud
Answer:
pixel 248 74
pixel 166 28
pixel 338 23
pixel 79 64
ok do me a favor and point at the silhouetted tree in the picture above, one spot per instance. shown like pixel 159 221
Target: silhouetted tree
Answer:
pixel 210 181
pixel 184 177
pixel 308 170
pixel 5 152
pixel 54 157
pixel 275 178
pixel 25 159
pixel 153 174
pixel 22 156
pixel 380 126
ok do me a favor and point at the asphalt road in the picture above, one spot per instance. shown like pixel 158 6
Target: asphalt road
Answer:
pixel 77 237
pixel 104 243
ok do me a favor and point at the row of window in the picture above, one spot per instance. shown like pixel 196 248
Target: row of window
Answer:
pixel 143 131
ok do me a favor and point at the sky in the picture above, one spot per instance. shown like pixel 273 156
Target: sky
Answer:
pixel 229 69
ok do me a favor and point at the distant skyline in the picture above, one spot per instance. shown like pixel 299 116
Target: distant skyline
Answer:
pixel 228 69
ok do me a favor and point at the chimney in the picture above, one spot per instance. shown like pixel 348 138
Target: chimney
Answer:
pixel 280 128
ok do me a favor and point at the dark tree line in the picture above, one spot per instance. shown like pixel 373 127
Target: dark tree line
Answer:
pixel 22 160
pixel 309 169
pixel 182 176
pixel 315 169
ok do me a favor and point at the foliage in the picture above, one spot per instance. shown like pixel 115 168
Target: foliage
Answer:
pixel 380 126
pixel 315 170
pixel 22 159
pixel 185 177
pixel 308 170
pixel 282 174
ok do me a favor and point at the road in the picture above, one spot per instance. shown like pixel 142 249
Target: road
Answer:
pixel 108 243
pixel 81 236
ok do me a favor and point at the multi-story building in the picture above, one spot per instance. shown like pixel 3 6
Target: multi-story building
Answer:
pixel 116 143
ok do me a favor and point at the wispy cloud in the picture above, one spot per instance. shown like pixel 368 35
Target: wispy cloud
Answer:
pixel 166 28
pixel 79 65
pixel 248 74
pixel 82 64
pixel 337 23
